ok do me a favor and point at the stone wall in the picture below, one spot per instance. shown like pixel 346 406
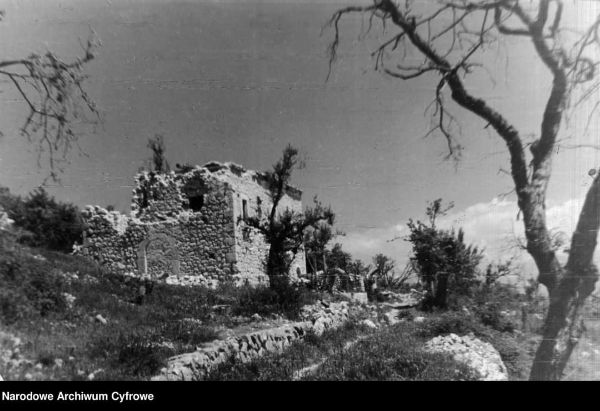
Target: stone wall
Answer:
pixel 196 365
pixel 189 227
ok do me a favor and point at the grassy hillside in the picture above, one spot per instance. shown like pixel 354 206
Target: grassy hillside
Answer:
pixel 73 319
pixel 64 318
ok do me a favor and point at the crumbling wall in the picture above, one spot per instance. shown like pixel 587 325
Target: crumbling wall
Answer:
pixel 251 198
pixel 189 228
pixel 165 240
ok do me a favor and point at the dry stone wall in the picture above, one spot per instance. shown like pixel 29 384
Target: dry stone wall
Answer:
pixel 196 365
pixel 189 228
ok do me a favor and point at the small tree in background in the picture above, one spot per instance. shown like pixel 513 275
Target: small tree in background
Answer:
pixel 383 271
pixel 160 164
pixel 358 267
pixel 446 265
pixel 338 258
pixel 315 240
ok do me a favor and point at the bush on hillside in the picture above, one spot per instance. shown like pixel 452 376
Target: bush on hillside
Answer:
pixel 287 300
pixel 44 222
pixel 452 322
pixel 27 288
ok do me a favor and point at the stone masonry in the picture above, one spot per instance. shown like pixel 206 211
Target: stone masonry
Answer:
pixel 189 227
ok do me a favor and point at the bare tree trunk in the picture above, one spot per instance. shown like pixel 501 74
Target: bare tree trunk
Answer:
pixel 441 290
pixel 564 323
pixel 568 286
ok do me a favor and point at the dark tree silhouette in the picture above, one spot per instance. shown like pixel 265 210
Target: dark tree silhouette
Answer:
pixel 315 241
pixel 285 230
pixel 445 264
pixel 159 161
pixel 447 40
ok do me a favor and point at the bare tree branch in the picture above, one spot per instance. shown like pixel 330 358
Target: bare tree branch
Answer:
pixel 571 65
pixel 56 100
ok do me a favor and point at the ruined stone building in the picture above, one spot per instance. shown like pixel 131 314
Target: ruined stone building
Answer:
pixel 189 227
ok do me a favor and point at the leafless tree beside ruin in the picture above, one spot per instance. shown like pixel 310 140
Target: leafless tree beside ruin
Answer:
pixel 448 40
pixel 53 91
pixel 285 229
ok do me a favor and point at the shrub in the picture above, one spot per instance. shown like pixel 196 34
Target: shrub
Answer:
pixel 452 322
pixel 407 315
pixel 285 299
pixel 13 306
pixel 391 355
pixel 491 315
pixel 47 223
pixel 27 287
pixel 133 353
pixel 443 260
pixel 139 356
pixel 188 333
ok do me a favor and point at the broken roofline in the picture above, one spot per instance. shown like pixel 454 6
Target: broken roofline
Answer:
pixel 237 169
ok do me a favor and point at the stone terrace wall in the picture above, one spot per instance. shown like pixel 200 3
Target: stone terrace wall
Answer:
pixel 196 365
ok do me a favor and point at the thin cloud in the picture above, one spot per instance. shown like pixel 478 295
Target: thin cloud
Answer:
pixel 495 226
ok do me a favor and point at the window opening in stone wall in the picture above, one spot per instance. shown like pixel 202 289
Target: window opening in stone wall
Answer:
pixel 259 207
pixel 196 202
pixel 245 210
pixel 246 233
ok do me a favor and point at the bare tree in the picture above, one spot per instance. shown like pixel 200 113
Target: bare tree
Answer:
pixel 159 163
pixel 448 39
pixel 56 100
pixel 383 271
pixel 285 230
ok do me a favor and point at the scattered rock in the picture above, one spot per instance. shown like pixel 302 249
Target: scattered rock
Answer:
pixel 164 344
pixel 479 356
pixel 101 319
pixel 360 298
pixel 391 317
pixel 69 300
pixel 221 308
pixel 92 376
pixel 369 323
pixel 256 317
pixel 88 279
pixel 401 300
pixel 5 222
pixel 191 321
